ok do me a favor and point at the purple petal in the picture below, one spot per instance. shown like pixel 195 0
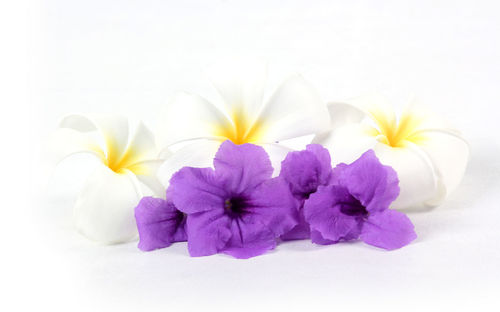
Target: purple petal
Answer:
pixel 373 184
pixel 323 156
pixel 389 229
pixel 301 230
pixel 272 205
pixel 317 238
pixel 249 239
pixel 306 170
pixel 242 167
pixel 159 223
pixel 196 189
pixel 208 232
pixel 323 212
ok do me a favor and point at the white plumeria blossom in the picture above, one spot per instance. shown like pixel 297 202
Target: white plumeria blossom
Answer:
pixel 104 209
pixel 429 156
pixel 242 115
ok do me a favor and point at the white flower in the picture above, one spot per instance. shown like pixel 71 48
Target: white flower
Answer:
pixel 429 156
pixel 242 116
pixel 104 209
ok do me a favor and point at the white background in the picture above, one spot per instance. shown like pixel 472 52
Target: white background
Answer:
pixel 130 56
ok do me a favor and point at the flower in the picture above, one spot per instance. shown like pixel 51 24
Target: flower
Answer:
pixel 236 208
pixel 355 205
pixel 242 116
pixel 305 171
pixel 159 223
pixel 104 209
pixel 429 156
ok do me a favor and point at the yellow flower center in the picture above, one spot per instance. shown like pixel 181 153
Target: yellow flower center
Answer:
pixel 396 133
pixel 241 130
pixel 122 163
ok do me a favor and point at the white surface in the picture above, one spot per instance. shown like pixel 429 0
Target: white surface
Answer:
pixel 129 56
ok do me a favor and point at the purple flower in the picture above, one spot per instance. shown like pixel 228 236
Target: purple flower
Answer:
pixel 237 209
pixel 355 205
pixel 305 171
pixel 159 223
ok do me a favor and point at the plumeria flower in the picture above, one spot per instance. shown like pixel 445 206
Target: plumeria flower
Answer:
pixel 429 156
pixel 126 171
pixel 355 205
pixel 159 223
pixel 236 208
pixel 305 171
pixel 241 115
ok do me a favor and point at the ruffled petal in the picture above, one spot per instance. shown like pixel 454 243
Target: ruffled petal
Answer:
pixel 159 223
pixel 242 167
pixel 195 190
pixel 389 229
pixel 294 110
pixel 449 154
pixel 306 170
pixel 248 239
pixel 241 86
pixel 272 205
pixel 104 209
pixel 208 232
pixel 199 153
pixel 189 117
pixel 317 238
pixel 301 230
pixel 373 184
pixel 322 211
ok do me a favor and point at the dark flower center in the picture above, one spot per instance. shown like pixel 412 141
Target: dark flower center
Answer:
pixel 235 206
pixel 180 217
pixel 353 207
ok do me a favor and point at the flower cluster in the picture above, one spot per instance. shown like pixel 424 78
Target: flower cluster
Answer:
pixel 239 209
pixel 239 195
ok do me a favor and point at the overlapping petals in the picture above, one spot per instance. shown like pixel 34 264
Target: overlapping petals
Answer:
pixel 104 209
pixel 429 156
pixel 356 205
pixel 236 208
pixel 159 223
pixel 242 115
pixel 305 171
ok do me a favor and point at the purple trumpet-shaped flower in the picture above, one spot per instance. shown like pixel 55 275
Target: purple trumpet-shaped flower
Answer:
pixel 305 171
pixel 159 223
pixel 237 209
pixel 355 205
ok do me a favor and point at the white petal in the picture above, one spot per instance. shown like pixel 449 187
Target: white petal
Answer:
pixel 104 210
pixel 198 153
pixel 418 182
pixel 348 143
pixel 114 130
pixel 374 104
pixel 146 172
pixel 141 147
pixel 241 85
pixel 449 154
pixel 65 142
pixel 341 114
pixel 294 110
pixel 276 152
pixel 188 117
